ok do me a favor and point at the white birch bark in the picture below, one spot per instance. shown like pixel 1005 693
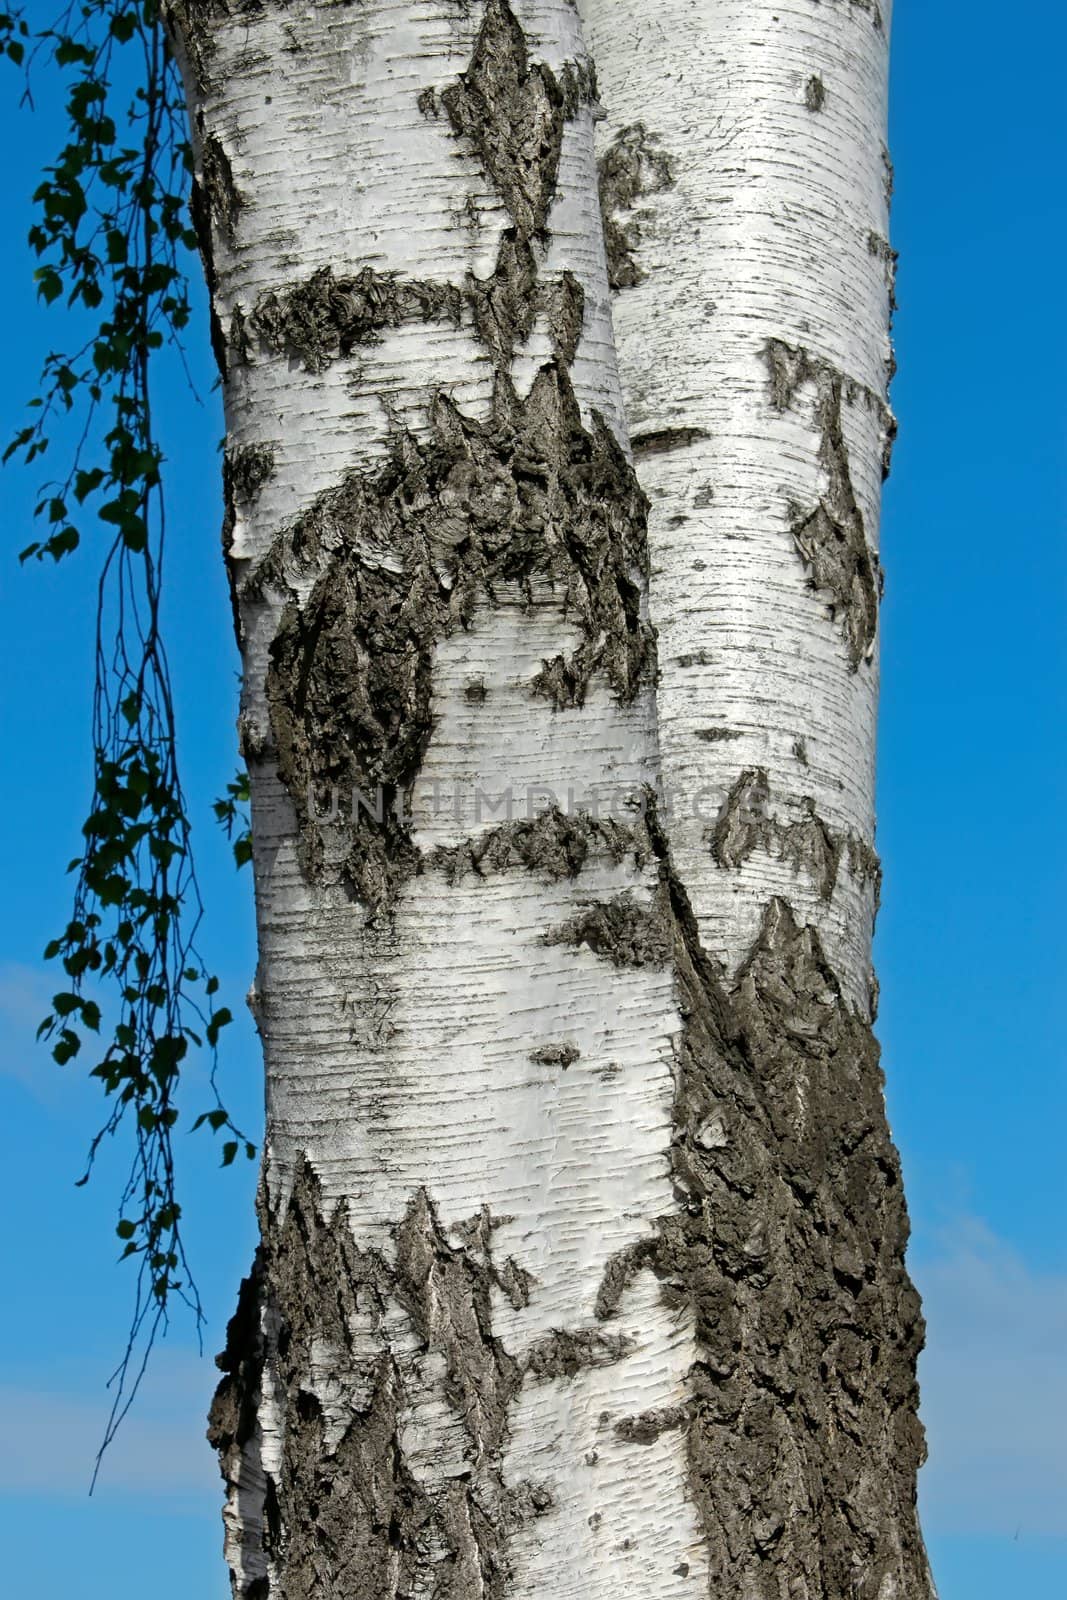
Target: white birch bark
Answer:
pixel 580 1229
pixel 755 137
pixel 443 1379
pixel 746 185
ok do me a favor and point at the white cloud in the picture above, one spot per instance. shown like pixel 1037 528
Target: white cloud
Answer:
pixel 994 1388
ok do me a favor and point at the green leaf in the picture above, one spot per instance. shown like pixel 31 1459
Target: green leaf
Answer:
pixel 49 284
pixel 86 482
pixel 69 51
pixel 67 1048
pixel 123 25
pixel 218 1020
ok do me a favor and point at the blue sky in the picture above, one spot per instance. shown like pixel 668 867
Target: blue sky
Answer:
pixel 973 788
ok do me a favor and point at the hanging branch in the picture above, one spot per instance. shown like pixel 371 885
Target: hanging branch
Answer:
pixel 112 239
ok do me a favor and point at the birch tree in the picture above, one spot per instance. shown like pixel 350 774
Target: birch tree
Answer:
pixel 582 1234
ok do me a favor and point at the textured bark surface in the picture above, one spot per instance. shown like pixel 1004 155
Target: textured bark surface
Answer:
pixel 803 1438
pixel 582 1232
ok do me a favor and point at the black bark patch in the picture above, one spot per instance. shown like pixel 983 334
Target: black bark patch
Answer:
pixel 831 539
pixel 879 247
pixel 513 114
pixel 505 305
pixel 446 1293
pixel 663 440
pixel 554 844
pixel 347 1515
pixel 200 216
pixel 620 1271
pixel 244 472
pixel 648 1426
pixel 250 468
pixel 865 864
pixel 807 842
pixel 564 1353
pixel 742 822
pixel 188 23
pixel 802 1435
pixel 815 93
pixel 478 514
pixel 556 1055
pixel 566 312
pixel 633 167
pixel 625 931
pixel 328 316
pixel 223 196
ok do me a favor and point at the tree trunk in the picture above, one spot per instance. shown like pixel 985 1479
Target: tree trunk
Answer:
pixel 745 184
pixel 580 1270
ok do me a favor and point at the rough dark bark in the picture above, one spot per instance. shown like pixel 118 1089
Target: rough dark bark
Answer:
pixel 789 1243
